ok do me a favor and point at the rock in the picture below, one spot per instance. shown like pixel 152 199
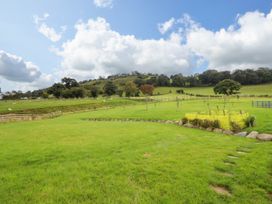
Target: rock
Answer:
pixel 253 135
pixel 209 129
pixel 227 132
pixel 241 134
pixel 188 125
pixel 264 137
pixel 217 130
pixel 169 122
pixel 180 123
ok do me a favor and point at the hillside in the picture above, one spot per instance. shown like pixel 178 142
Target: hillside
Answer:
pixel 257 90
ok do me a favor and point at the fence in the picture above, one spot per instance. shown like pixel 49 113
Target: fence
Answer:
pixel 262 104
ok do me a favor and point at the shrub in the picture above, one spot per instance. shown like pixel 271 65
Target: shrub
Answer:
pixel 250 121
pixel 235 127
pixel 184 120
pixel 206 123
pixel 195 122
pixel 216 124
pixel 180 91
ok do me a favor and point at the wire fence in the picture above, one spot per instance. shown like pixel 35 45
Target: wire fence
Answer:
pixel 262 104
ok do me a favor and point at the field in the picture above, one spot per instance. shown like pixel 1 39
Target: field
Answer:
pixel 71 159
pixel 66 105
pixel 264 89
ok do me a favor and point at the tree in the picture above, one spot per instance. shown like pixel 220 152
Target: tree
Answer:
pixel 56 89
pixel 147 89
pixel 75 92
pixel 94 91
pixel 110 88
pixel 130 89
pixel 227 87
pixel 163 80
pixel 178 80
pixel 69 82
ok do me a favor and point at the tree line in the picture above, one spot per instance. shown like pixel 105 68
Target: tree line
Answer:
pixel 135 83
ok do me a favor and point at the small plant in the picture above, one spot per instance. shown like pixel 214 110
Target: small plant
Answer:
pixel 180 91
pixel 216 124
pixel 250 121
pixel 184 120
pixel 235 127
pixel 206 124
pixel 195 122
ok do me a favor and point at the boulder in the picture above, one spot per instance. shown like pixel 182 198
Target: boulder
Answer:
pixel 217 130
pixel 209 129
pixel 264 137
pixel 188 125
pixel 253 135
pixel 169 122
pixel 227 132
pixel 180 123
pixel 241 134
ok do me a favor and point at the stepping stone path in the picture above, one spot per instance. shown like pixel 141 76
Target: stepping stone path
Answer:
pixel 221 189
pixel 217 188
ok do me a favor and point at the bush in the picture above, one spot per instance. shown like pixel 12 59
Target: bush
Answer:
pixel 184 120
pixel 180 91
pixel 216 124
pixel 206 123
pixel 195 122
pixel 250 121
pixel 235 127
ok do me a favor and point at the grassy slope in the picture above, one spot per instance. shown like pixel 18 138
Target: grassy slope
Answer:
pixel 264 89
pixel 69 160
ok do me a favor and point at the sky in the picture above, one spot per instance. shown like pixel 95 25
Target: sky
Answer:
pixel 44 41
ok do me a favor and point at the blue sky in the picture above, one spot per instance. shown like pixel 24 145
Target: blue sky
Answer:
pixel 22 42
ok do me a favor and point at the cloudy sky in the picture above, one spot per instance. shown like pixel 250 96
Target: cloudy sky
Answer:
pixel 43 41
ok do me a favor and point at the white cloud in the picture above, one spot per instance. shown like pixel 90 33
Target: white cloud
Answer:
pixel 14 68
pixel 243 45
pixel 166 26
pixel 98 50
pixel 46 30
pixel 103 3
pixel 20 74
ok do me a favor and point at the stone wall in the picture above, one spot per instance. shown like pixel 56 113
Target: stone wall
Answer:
pixel 27 117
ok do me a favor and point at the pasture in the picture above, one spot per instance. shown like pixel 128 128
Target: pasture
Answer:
pixel 257 90
pixel 71 159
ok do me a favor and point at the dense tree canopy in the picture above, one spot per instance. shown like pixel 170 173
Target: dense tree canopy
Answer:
pixel 227 87
pixel 110 88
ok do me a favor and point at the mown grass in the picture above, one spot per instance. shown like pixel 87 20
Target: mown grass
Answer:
pixel 71 160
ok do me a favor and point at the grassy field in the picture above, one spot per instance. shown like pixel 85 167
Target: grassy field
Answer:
pixel 264 89
pixel 70 160
pixel 170 111
pixel 66 105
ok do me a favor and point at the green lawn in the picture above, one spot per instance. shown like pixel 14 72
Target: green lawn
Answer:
pixel 70 160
